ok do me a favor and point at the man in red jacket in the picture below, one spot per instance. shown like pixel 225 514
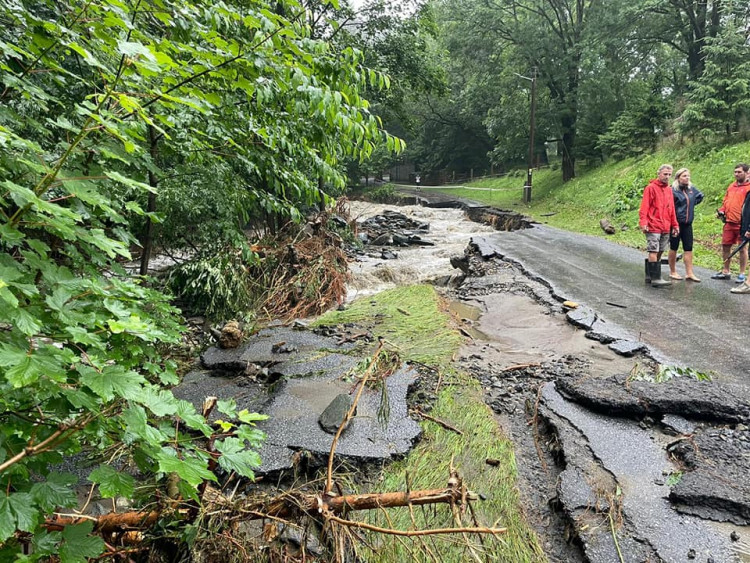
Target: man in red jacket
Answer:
pixel 657 220
pixel 731 213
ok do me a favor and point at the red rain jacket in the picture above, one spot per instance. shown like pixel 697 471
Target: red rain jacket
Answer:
pixel 657 213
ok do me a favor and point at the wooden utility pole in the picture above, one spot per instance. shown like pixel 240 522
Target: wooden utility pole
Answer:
pixel 532 126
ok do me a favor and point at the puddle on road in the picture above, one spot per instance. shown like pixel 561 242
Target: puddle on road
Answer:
pixel 464 311
pixel 515 329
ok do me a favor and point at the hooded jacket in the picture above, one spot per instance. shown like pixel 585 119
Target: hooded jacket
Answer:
pixel 657 208
pixel 685 200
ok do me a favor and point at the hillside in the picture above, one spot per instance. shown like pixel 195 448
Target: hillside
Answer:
pixel 613 191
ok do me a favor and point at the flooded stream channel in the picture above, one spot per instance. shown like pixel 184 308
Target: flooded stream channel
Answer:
pixel 645 485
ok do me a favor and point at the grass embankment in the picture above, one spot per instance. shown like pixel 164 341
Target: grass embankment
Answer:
pixel 613 191
pixel 414 320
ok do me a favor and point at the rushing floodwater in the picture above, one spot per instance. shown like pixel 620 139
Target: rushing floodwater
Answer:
pixel 449 230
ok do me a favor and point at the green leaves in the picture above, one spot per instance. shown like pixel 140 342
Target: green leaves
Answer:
pixel 78 545
pixel 193 470
pixel 235 457
pixel 17 512
pixel 112 483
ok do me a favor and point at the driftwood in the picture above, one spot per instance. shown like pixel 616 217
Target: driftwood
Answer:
pixel 280 507
pixel 107 523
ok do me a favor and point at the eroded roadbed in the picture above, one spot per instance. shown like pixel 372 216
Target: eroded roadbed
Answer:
pixel 612 467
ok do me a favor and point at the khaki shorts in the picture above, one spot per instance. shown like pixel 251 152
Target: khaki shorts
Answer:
pixel 657 242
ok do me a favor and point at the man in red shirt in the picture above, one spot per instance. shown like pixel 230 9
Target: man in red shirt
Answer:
pixel 657 220
pixel 731 213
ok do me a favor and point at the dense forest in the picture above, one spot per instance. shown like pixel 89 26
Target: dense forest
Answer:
pixel 129 127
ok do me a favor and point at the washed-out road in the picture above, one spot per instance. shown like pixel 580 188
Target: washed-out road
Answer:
pixel 698 325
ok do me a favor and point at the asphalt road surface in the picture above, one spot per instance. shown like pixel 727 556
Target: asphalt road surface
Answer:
pixel 702 325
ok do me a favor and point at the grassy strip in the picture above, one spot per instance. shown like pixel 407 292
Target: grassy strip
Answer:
pixel 613 191
pixel 425 335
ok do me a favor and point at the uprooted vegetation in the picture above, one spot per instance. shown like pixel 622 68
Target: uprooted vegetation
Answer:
pixel 298 272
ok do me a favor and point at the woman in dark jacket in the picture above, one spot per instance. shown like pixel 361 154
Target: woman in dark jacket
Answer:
pixel 686 197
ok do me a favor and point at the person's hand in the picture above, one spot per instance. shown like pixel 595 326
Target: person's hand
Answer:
pixel 722 216
pixel 747 235
pixel 675 231
pixel 643 228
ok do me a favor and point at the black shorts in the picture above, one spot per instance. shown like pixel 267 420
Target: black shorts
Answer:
pixel 686 236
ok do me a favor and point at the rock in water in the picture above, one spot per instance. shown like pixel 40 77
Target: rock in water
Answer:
pixel 335 412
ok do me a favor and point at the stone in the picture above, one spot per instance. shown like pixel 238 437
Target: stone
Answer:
pixel 607 227
pixel 231 335
pixel 627 348
pixel 388 255
pixel 334 414
pixel 382 240
pixel 400 240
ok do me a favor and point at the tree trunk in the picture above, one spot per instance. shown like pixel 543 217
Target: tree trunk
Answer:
pixel 147 242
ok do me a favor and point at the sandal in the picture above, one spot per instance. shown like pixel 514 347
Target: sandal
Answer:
pixel 675 276
pixel 693 278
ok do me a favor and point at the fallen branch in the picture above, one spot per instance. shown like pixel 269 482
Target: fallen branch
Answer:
pixel 284 506
pixel 349 415
pixel 438 421
pixel 107 523
pixel 414 533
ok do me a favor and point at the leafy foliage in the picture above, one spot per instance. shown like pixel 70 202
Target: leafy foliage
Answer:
pixel 103 105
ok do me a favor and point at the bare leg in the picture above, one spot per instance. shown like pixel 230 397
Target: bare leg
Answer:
pixel 672 258
pixel 726 250
pixel 654 256
pixel 687 257
pixel 743 259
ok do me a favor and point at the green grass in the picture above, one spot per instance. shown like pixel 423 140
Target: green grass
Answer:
pixel 408 318
pixel 426 335
pixel 613 191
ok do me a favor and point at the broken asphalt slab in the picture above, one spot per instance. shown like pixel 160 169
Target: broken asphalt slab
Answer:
pixel 685 396
pixel 310 374
pixel 293 421
pixel 637 463
pixel 264 348
pixel 715 482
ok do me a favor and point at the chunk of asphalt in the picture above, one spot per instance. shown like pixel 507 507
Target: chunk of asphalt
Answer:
pixel 582 317
pixel 259 348
pixel 637 462
pixel 335 413
pixel 485 248
pixel 627 348
pixel 678 424
pixel 293 421
pixel 715 485
pixel 606 332
pixel 702 400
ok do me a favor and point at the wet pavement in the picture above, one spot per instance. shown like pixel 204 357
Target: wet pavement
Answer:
pixel 292 375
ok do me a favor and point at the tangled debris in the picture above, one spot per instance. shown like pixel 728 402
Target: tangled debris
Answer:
pixel 306 274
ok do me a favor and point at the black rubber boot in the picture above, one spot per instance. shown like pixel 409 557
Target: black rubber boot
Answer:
pixel 648 270
pixel 656 280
